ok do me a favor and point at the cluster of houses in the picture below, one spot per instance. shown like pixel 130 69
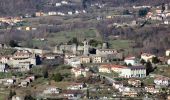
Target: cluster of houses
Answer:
pixel 77 57
pixel 20 82
pixel 124 71
pixel 21 59
pixel 11 20
pixel 24 59
pixel 59 13
pixel 133 89
pixel 72 91
pixel 159 14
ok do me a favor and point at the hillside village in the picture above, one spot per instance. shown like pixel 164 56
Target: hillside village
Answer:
pixel 108 69
pixel 71 52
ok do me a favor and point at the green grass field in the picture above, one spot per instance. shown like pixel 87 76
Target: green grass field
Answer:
pixel 7 51
pixel 2 97
pixel 65 36
pixel 162 70
pixel 119 44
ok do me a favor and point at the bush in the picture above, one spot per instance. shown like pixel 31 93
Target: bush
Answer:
pixel 57 77
pixel 13 43
pixel 143 12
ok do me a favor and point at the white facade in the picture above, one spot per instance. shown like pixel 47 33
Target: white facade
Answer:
pixel 70 13
pixel 123 71
pixel 79 71
pixel 151 89
pixel 126 72
pixel 58 4
pixel 105 51
pixel 104 70
pixel 162 81
pixel 51 90
pixel 97 59
pixel 2 67
pixel 31 61
pixel 74 62
pixel 76 86
pixel 133 72
pixel 131 60
pixel 147 57
pixel 117 85
pixel 52 13
pixel 167 53
pixel 64 2
pixel 168 62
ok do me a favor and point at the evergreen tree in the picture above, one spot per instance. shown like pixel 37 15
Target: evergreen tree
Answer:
pixel 11 94
pixel 155 60
pixel 148 67
pixel 142 61
pixel 57 77
pixel 45 74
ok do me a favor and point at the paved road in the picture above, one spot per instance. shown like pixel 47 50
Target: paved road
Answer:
pixel 111 80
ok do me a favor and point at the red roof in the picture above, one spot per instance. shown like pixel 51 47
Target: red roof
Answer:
pixel 130 58
pixel 146 54
pixel 113 66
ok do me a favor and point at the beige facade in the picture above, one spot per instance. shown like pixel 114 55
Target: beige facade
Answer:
pixel 79 71
pixel 104 69
pixel 105 51
pixel 147 57
pixel 97 59
pixel 21 58
pixel 85 59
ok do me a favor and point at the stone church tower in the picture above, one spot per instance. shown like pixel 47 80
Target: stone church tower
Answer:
pixel 86 47
pixel 74 48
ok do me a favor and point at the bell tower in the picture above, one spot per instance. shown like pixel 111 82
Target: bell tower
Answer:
pixel 86 47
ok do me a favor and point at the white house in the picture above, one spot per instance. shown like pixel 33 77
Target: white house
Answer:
pixel 105 69
pixel 117 85
pixel 162 81
pixel 76 86
pixel 51 90
pixel 17 97
pixel 70 13
pixel 124 71
pixel 22 56
pixel 168 62
pixel 105 51
pixel 58 4
pixel 151 89
pixel 130 92
pixel 60 13
pixel 5 59
pixel 135 82
pixel 9 82
pixel 133 71
pixel 131 60
pixel 147 57
pixel 52 13
pixel 167 53
pixel 64 2
pixel 74 62
pixel 77 12
pixel 3 67
pixel 79 71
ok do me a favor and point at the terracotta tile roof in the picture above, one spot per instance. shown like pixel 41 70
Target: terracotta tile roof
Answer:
pixel 146 54
pixel 130 58
pixel 113 66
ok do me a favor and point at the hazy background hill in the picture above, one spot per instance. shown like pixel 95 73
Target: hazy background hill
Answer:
pixel 19 7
